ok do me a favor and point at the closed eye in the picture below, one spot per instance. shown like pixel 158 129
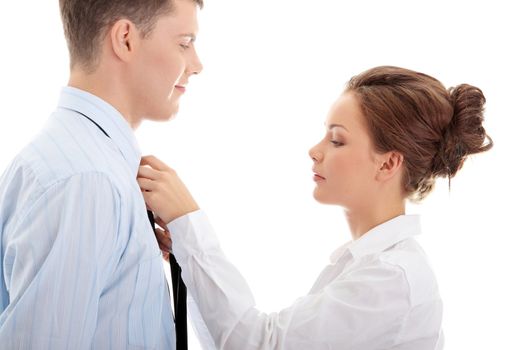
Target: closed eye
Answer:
pixel 336 143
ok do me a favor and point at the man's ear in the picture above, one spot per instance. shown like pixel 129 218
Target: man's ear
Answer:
pixel 124 37
pixel 390 164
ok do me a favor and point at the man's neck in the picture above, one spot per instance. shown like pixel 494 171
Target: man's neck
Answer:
pixel 110 90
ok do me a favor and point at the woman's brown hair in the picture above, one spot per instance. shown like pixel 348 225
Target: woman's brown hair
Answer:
pixel 435 129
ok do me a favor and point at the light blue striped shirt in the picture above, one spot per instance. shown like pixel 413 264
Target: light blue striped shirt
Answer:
pixel 80 266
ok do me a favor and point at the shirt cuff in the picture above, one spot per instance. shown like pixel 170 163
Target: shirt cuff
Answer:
pixel 192 234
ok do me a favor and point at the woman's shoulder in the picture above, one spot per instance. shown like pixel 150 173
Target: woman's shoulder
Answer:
pixel 412 260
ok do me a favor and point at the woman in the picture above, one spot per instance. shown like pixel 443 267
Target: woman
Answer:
pixel 388 136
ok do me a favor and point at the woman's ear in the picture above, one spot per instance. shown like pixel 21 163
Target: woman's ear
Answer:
pixel 390 164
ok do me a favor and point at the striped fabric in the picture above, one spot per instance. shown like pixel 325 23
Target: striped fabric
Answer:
pixel 80 267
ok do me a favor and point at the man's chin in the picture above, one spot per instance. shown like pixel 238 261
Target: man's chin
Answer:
pixel 164 117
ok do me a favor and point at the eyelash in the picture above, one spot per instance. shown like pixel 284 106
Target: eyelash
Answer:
pixel 336 143
pixel 184 47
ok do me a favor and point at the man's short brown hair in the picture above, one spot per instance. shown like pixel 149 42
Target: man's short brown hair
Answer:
pixel 86 21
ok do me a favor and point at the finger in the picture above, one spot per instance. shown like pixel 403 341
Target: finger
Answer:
pixel 147 199
pixel 163 238
pixel 161 223
pixel 148 173
pixel 146 184
pixel 154 162
pixel 164 248
pixel 163 244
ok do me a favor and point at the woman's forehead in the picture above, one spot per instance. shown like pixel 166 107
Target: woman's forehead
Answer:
pixel 345 113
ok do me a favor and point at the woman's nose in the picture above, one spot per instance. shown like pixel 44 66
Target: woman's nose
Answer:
pixel 315 154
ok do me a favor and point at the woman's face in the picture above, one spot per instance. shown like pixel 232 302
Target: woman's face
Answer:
pixel 345 162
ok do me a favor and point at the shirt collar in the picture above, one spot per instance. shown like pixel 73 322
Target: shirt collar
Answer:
pixel 381 237
pixel 107 117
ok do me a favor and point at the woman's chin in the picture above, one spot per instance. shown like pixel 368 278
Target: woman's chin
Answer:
pixel 320 197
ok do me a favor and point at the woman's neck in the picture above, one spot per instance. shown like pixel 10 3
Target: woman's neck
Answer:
pixel 363 220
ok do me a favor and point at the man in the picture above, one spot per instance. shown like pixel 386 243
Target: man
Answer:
pixel 80 267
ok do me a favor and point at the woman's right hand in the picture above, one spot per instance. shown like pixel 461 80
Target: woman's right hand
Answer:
pixel 164 192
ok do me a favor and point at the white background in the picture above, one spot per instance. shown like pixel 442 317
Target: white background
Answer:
pixel 240 141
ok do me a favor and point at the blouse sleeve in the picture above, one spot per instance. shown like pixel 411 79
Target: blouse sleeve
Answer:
pixel 361 309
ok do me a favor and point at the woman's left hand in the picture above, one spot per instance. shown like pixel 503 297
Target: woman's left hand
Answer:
pixel 164 192
pixel 163 236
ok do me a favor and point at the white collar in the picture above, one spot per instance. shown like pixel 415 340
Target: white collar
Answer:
pixel 381 237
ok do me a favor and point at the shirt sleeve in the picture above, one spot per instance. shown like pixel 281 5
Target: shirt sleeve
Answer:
pixel 363 309
pixel 57 260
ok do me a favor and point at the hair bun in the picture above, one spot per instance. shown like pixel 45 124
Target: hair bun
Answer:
pixel 465 134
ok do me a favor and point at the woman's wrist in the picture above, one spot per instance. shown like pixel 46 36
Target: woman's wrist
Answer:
pixel 188 206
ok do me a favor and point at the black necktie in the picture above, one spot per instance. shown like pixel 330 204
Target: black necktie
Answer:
pixel 179 297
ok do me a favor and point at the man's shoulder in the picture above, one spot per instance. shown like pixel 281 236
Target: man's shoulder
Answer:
pixel 29 185
pixel 61 151
pixel 34 172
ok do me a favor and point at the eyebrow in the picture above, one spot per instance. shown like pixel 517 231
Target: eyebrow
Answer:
pixel 336 126
pixel 189 35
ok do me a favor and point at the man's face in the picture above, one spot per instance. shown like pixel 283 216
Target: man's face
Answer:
pixel 165 60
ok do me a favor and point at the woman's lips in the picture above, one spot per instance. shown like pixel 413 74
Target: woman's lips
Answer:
pixel 318 178
pixel 180 88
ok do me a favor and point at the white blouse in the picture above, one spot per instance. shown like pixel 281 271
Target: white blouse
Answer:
pixel 379 292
